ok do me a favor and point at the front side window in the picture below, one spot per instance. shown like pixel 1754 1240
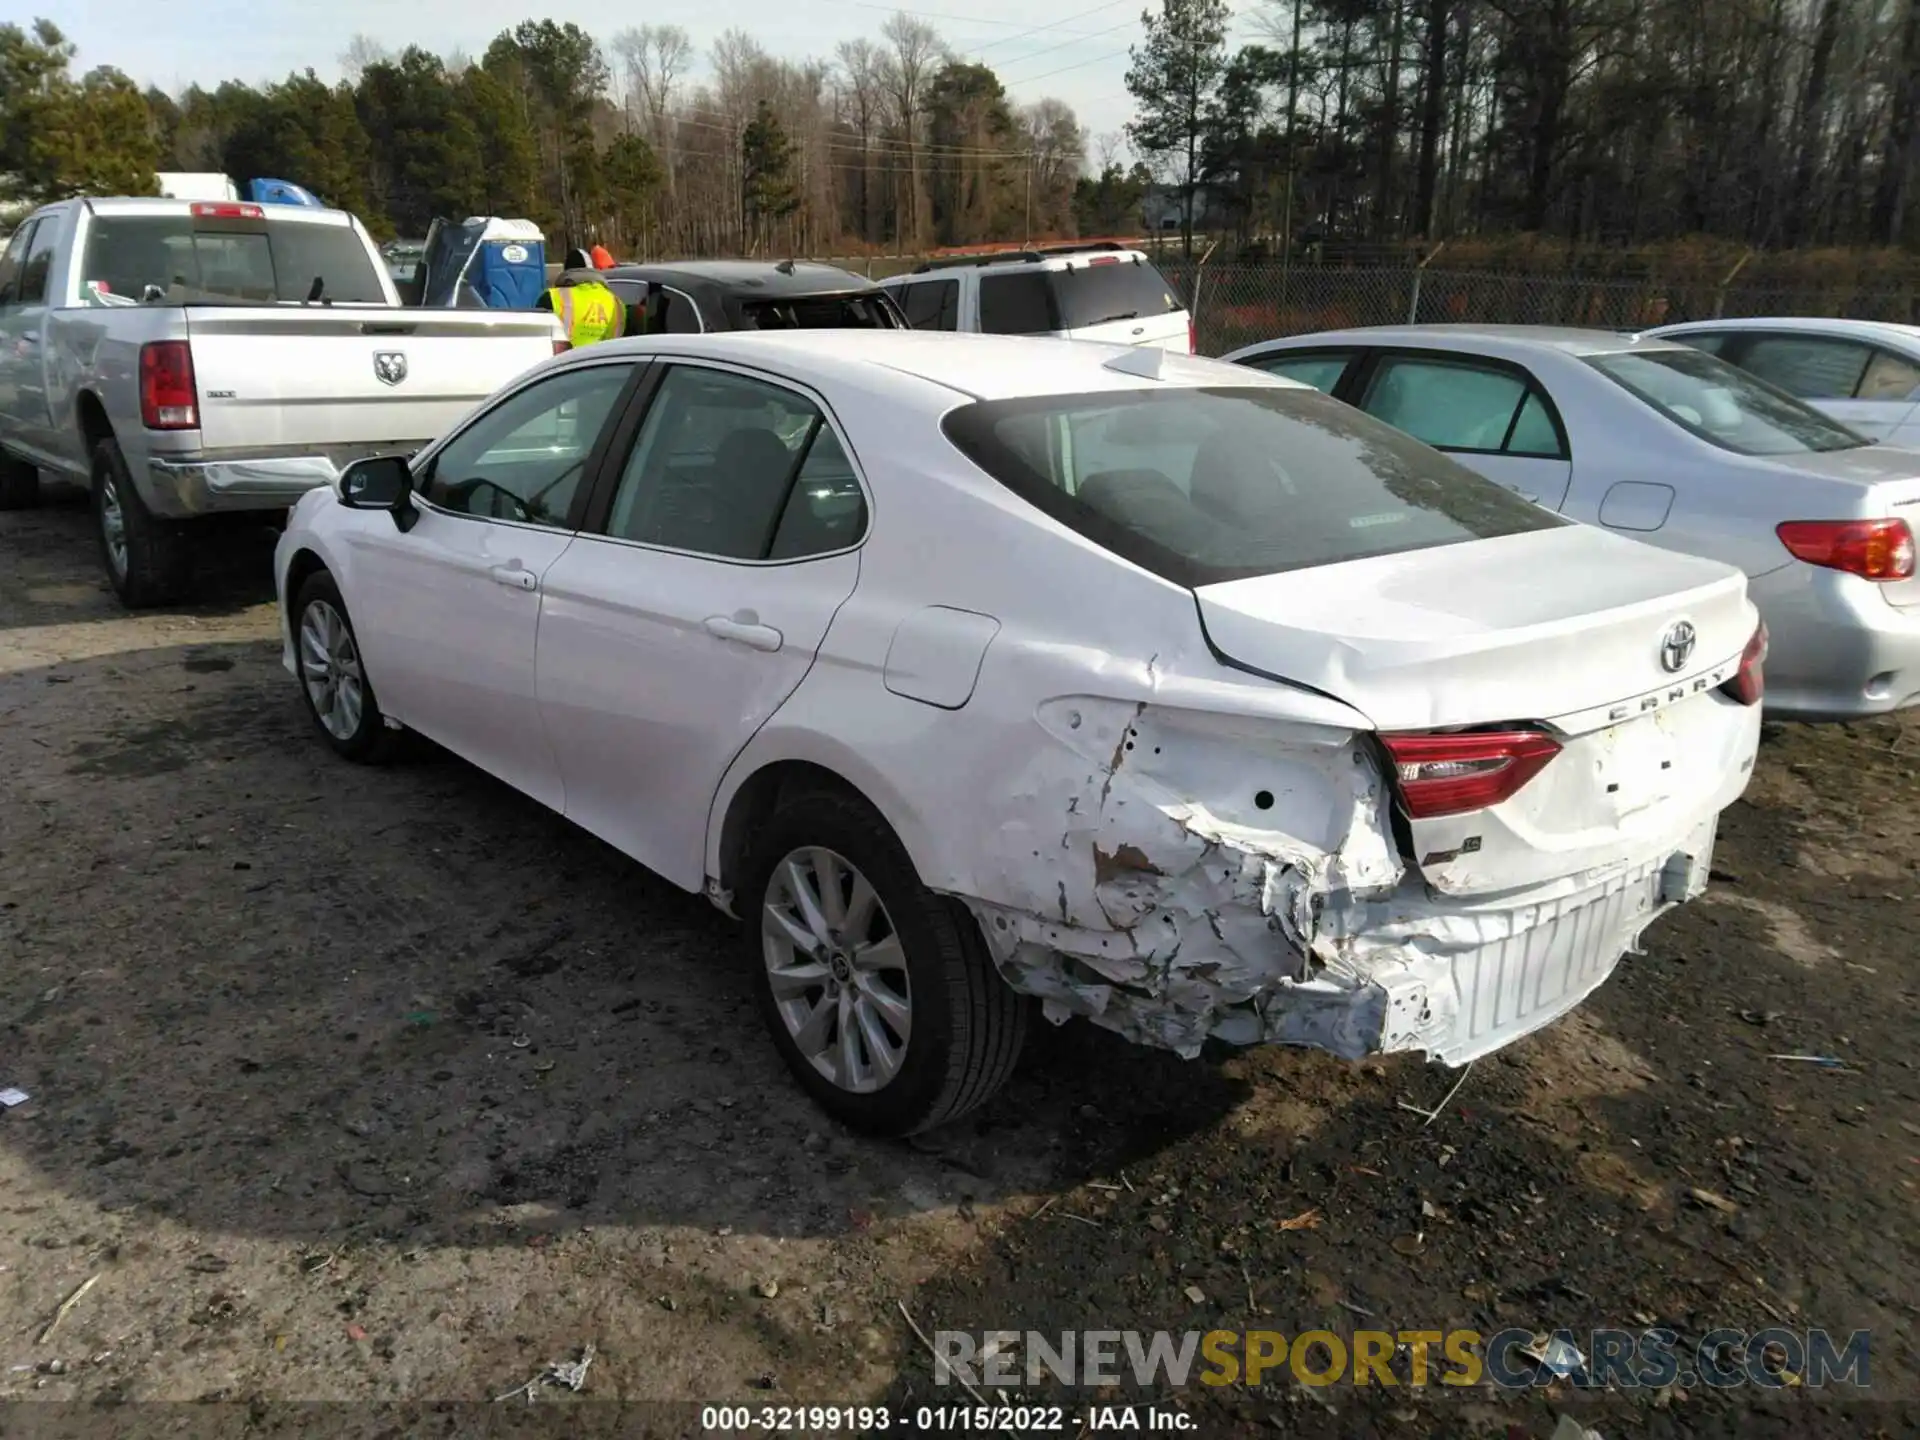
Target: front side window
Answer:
pixel 1457 405
pixel 1810 366
pixel 1725 407
pixel 1322 370
pixel 737 469
pixel 178 260
pixel 524 459
pixel 1207 485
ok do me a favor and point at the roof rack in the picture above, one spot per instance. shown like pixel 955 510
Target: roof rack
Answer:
pixel 1002 257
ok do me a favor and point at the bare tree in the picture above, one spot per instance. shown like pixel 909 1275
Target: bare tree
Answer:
pixel 362 51
pixel 862 87
pixel 913 49
pixel 653 60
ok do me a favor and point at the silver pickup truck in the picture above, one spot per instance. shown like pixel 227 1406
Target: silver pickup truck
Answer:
pixel 184 359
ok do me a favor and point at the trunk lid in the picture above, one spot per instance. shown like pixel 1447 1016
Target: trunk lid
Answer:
pixel 323 376
pixel 1560 631
pixel 1521 628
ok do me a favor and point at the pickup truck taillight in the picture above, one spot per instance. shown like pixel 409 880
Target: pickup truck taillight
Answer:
pixel 168 400
pixel 1450 774
pixel 1193 338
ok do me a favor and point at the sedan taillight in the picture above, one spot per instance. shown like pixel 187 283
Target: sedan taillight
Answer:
pixel 1450 774
pixel 1193 337
pixel 1871 549
pixel 1749 683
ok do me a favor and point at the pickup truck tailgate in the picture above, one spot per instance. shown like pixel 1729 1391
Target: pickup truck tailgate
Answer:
pixel 325 376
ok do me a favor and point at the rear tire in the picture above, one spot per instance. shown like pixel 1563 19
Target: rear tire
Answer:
pixel 333 680
pixel 149 561
pixel 882 952
pixel 19 484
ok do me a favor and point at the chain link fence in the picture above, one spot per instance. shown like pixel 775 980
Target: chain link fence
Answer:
pixel 1239 304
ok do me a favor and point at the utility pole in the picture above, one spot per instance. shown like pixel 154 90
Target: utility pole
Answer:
pixel 1027 237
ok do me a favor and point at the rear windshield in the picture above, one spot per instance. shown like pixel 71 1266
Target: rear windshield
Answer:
pixel 869 310
pixel 223 262
pixel 1206 485
pixel 1028 302
pixel 1725 406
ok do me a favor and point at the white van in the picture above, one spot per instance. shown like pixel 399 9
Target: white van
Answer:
pixel 1078 292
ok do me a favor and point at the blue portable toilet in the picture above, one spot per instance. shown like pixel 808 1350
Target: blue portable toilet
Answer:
pixel 281 192
pixel 485 263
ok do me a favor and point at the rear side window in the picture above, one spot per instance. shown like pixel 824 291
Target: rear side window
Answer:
pixel 1032 302
pixel 1322 371
pixel 38 269
pixel 931 304
pixel 1207 485
pixel 171 259
pixel 1810 366
pixel 1457 405
pixel 1017 303
pixel 1106 291
pixel 1890 377
pixel 866 311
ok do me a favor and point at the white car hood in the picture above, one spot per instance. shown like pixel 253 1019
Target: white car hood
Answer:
pixel 1526 627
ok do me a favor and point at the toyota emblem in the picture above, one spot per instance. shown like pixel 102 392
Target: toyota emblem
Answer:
pixel 1676 647
pixel 389 366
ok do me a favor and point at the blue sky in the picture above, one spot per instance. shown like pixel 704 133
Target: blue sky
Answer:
pixel 1080 56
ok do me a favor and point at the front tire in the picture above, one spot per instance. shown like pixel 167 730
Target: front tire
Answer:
pixel 333 679
pixel 879 994
pixel 149 561
pixel 19 484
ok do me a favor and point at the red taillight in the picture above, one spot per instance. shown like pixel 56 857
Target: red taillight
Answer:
pixel 1452 774
pixel 167 397
pixel 1871 549
pixel 1193 339
pixel 1750 681
pixel 226 210
pixel 560 347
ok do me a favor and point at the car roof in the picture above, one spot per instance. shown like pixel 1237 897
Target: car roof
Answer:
pixel 1494 339
pixel 1064 257
pixel 1856 329
pixel 749 279
pixel 983 367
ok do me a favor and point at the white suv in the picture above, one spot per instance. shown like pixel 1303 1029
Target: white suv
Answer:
pixel 1077 292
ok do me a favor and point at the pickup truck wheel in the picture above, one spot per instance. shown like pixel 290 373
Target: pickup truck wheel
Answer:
pixel 880 994
pixel 149 560
pixel 19 484
pixel 333 679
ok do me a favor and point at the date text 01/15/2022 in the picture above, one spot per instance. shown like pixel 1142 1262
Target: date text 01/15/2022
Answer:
pixel 871 1419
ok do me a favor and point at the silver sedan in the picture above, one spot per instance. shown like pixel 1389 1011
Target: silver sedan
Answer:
pixel 1665 443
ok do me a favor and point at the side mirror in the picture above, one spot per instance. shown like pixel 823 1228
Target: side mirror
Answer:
pixel 381 482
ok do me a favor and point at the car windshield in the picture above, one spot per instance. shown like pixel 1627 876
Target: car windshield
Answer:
pixel 1206 485
pixel 1723 405
pixel 176 260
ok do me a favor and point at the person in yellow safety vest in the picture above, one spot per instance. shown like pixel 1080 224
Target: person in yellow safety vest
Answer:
pixel 589 311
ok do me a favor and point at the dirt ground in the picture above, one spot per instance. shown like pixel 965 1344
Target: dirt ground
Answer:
pixel 355 1085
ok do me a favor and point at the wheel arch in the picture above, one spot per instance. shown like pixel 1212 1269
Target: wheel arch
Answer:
pixel 764 777
pixel 90 413
pixel 305 562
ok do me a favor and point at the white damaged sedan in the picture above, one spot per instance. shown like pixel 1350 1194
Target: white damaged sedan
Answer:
pixel 978 671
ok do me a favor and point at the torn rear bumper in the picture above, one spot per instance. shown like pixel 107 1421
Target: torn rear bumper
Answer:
pixel 1255 960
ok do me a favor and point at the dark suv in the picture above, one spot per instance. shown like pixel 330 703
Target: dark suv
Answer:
pixel 689 296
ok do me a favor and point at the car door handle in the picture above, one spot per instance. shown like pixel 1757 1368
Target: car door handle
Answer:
pixel 513 577
pixel 759 637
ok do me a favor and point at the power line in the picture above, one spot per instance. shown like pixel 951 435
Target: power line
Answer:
pixel 1030 79
pixel 1069 44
